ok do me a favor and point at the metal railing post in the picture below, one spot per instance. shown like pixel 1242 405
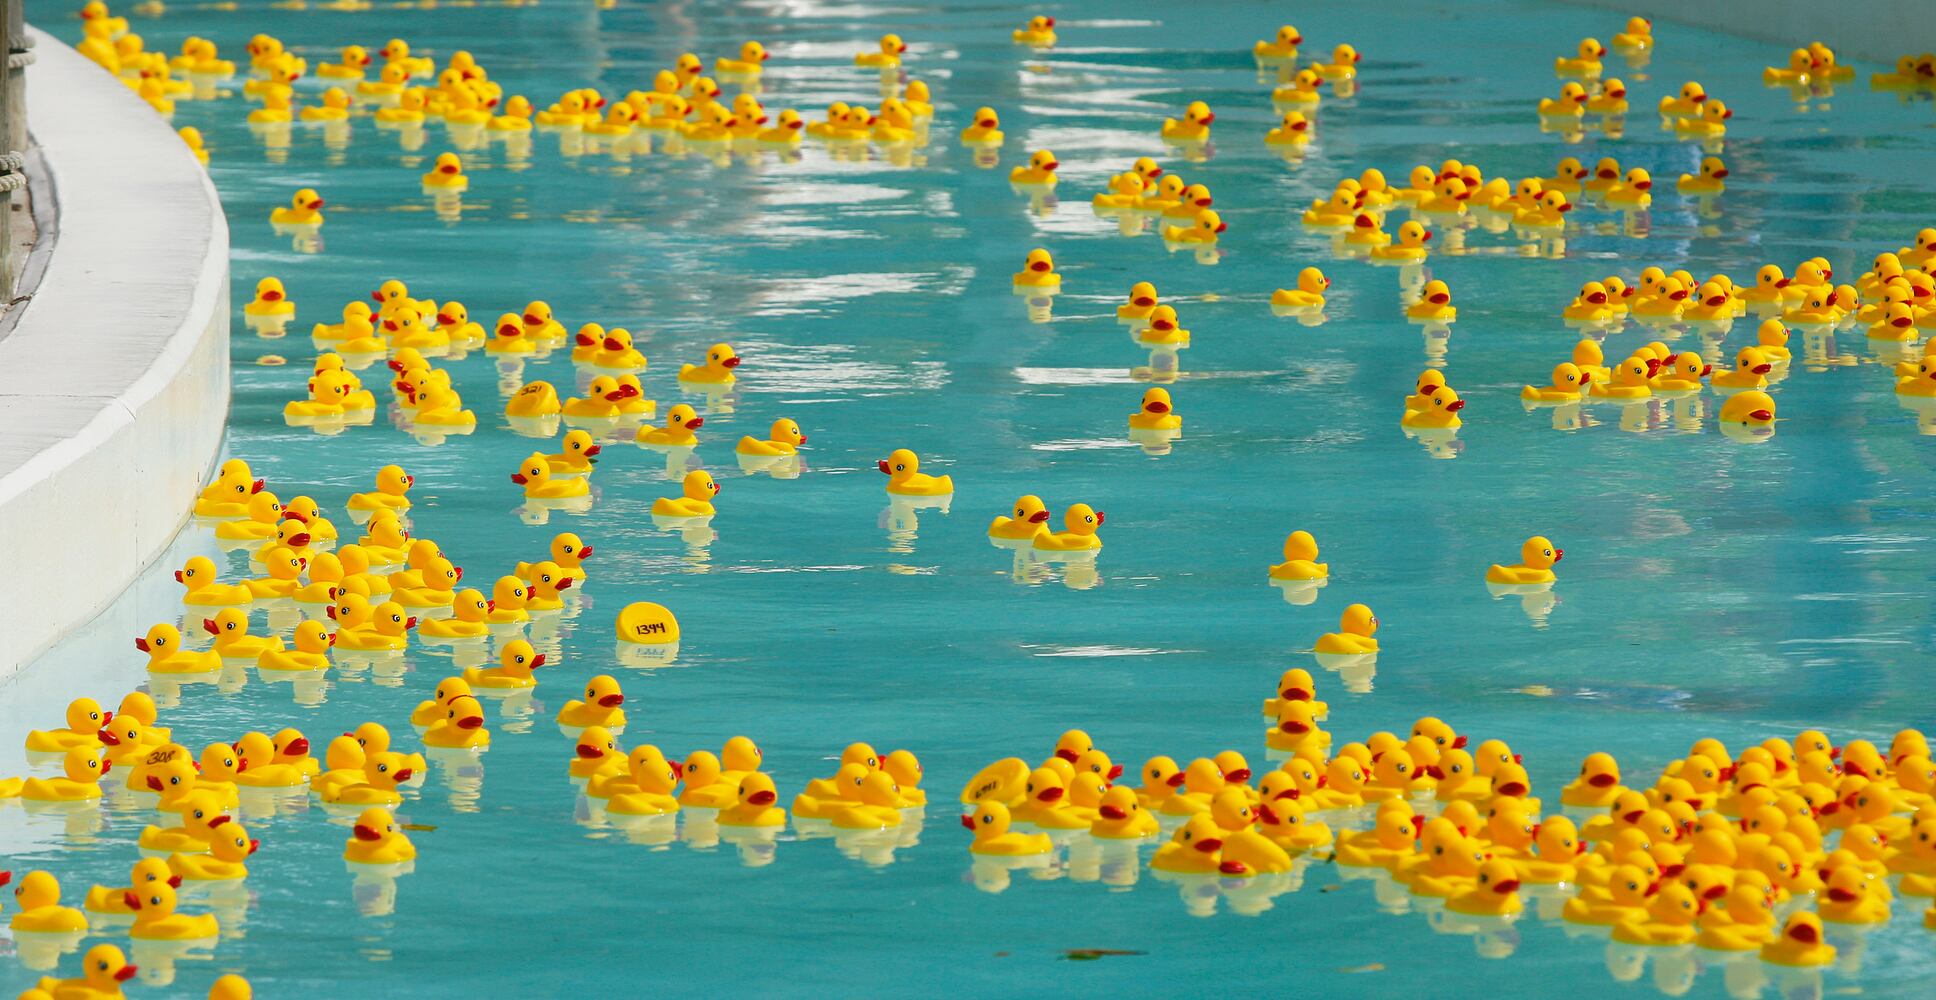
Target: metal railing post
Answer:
pixel 13 136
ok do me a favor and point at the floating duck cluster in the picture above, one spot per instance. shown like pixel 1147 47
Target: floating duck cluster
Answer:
pixel 1749 854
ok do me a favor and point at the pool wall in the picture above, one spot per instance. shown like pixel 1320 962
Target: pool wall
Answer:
pixel 114 378
pixel 1877 30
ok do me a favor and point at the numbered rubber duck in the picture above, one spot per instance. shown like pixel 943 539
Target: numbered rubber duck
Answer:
pixel 305 209
pixel 1354 636
pixel 905 478
pixel 534 399
pixel 1408 247
pixel 783 438
pixel 85 720
pixel 1309 293
pixel 166 655
pixel 1038 172
pixel 229 848
pixel 887 56
pixel 81 770
pixel 1038 271
pixel 1537 557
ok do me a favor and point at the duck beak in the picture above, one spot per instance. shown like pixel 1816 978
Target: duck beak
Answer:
pixel 611 701
pixel 366 833
pixel 141 643
pixel 763 798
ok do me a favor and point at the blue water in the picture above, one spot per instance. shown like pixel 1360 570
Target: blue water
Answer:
pixel 1710 587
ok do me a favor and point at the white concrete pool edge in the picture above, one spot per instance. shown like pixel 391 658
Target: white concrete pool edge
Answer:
pixel 1877 30
pixel 114 382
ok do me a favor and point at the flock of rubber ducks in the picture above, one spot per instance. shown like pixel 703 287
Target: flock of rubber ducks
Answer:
pixel 1764 854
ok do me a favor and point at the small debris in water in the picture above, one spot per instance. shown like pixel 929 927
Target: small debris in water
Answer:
pixel 420 827
pixel 1536 690
pixel 1091 954
pixel 1330 888
pixel 272 361
pixel 1373 967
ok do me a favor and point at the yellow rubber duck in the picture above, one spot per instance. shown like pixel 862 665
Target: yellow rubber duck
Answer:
pixel 1800 943
pixel 602 705
pixel 1205 230
pixel 984 130
pixel 783 438
pixel 1536 558
pixel 391 493
pixel 1309 293
pixel 1629 381
pixel 1611 101
pixel 904 477
pixel 38 896
pixel 1408 247
pixel 721 359
pixel 305 209
pixel 1192 127
pixel 1586 64
pixel 377 840
pixel 1155 413
pixel 386 627
pixel 1795 74
pixel 1039 33
pixel 534 474
pixel 1569 107
pixel 1434 304
pixel 754 804
pixel 85 719
pixel 461 728
pixel 229 847
pixel 166 654
pixel 888 56
pixel 1343 64
pixel 1710 123
pixel 1038 172
pixel 1302 92
pixel 1125 193
pixel 447 175
pixel 270 300
pixel 113 899
pixel 1162 327
pixel 1082 523
pixel 1567 384
pixel 82 768
pixel 577 457
pixel 230 627
pixel 1632 193
pixel 547 583
pixel 697 491
pixel 751 61
pixel 1300 559
pixel 990 823
pixel 1031 519
pixel 534 399
pixel 1687 103
pixel 516 662
pixel 1751 367
pixel 1281 47
pixel 603 399
pixel 1441 410
pixel 1354 635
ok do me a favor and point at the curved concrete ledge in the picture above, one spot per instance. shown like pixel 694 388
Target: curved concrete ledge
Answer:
pixel 114 382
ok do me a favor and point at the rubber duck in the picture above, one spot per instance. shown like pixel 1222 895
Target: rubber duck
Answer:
pixel 721 359
pixel 1709 182
pixel 535 476
pixel 229 847
pixel 888 56
pixel 1295 729
pixel 751 61
pixel 270 300
pixel 461 728
pixel 1623 899
pixel 1038 271
pixel 1586 64
pixel 516 661
pixel 1038 172
pixel 81 769
pixel 1408 246
pixel 1687 103
pixel 755 804
pixel 391 493
pixel 1031 519
pixel 1434 304
pixel 112 899
pixel 166 655
pixel 990 822
pixel 85 720
pixel 1281 47
pixel 387 627
pixel 783 438
pixel 1192 127
pixel 1390 839
pixel 1629 381
pixel 1710 123
pixel 1898 323
pixel 904 478
pixel 1162 327
pixel 1611 101
pixel 577 457
pixel 1567 384
pixel 1537 557
pixel 1343 64
pixel 1851 895
pixel 1569 106
pixel 230 627
pixel 534 399
pixel 509 337
pixel 1633 191
pixel 984 130
pixel 647 787
pixel 1294 130
pixel 547 583
pixel 1668 920
pixel 697 491
pixel 1751 367
pixel 1309 293
pixel 601 707
pixel 1354 636
pixel 377 840
pixel 1039 33
pixel 1800 943
pixel 305 209
pixel 38 896
pixel 1195 849
pixel 1205 229
pixel 1441 410
pixel 602 400
pixel 1082 522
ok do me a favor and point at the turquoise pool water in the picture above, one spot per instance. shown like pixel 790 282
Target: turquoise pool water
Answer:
pixel 1710 587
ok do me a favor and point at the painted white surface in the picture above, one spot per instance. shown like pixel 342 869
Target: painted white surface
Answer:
pixel 1875 30
pixel 114 385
